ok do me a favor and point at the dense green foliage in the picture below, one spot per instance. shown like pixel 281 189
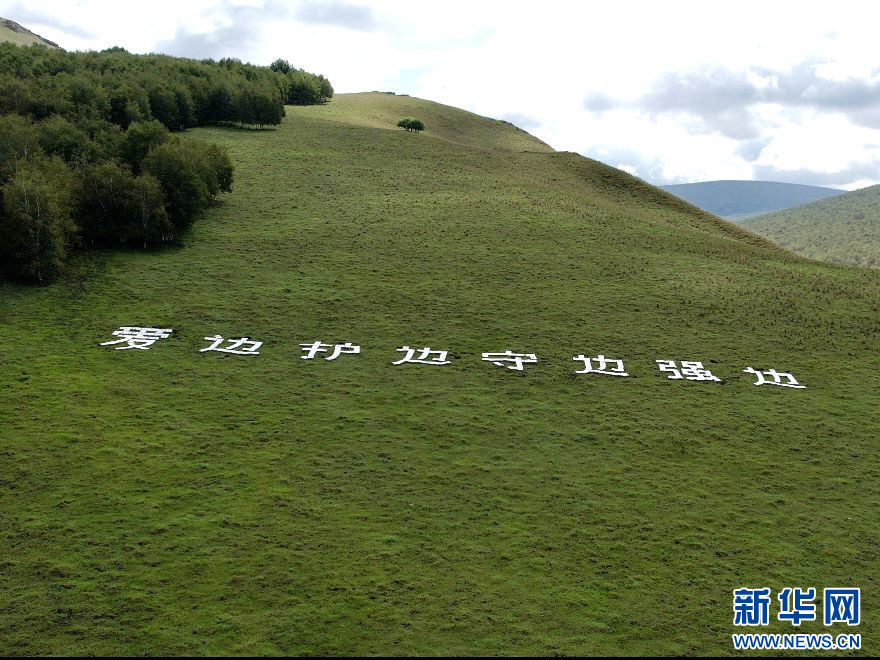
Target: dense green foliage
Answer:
pixel 736 200
pixel 843 230
pixel 60 188
pixel 101 122
pixel 35 220
pixel 93 89
pixel 175 502
pixel 411 124
pixel 303 88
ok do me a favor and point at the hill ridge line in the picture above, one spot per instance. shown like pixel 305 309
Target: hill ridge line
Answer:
pixel 18 28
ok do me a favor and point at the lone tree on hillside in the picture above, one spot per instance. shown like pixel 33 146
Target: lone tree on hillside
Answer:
pixel 411 124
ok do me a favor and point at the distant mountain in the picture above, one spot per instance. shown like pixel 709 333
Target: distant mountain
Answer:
pixel 737 200
pixel 20 35
pixel 844 229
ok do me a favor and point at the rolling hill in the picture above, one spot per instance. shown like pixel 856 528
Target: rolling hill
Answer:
pixel 738 200
pixel 843 229
pixel 20 35
pixel 176 501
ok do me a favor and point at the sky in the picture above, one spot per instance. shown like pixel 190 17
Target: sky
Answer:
pixel 673 92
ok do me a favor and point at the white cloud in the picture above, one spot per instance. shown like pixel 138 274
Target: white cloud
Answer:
pixel 542 61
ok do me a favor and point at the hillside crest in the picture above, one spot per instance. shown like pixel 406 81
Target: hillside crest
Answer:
pixel 18 34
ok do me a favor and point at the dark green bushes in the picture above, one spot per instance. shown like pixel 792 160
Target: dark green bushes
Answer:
pixel 119 88
pixel 301 87
pixel 60 189
pixel 411 124
pixel 116 206
pixel 36 224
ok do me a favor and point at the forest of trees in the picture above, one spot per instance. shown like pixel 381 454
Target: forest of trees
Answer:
pixel 89 155
pixel 303 88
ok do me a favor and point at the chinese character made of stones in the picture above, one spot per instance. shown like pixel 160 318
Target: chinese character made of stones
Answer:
pixel 137 337
pixel 241 346
pixel 773 377
pixel 689 370
pixel 603 365
pixel 311 350
pixel 510 359
pixel 425 356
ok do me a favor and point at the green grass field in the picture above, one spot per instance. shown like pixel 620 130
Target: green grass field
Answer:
pixel 172 501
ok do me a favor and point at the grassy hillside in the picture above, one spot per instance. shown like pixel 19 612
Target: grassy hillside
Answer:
pixel 172 501
pixel 738 200
pixel 842 230
pixel 20 35
pixel 377 110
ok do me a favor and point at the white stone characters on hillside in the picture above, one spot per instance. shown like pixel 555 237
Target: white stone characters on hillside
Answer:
pixel 510 359
pixel 143 338
pixel 604 365
pixel 241 346
pixel 424 357
pixel 776 378
pixel 137 337
pixel 311 350
pixel 688 370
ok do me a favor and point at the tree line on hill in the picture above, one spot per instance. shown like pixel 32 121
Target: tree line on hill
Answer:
pixel 303 88
pixel 89 154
